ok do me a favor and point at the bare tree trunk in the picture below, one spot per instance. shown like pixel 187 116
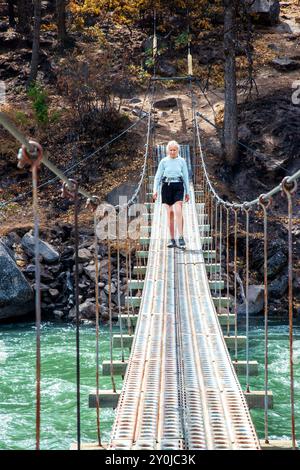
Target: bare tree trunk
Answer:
pixel 24 16
pixel 230 112
pixel 11 13
pixel 36 42
pixel 61 22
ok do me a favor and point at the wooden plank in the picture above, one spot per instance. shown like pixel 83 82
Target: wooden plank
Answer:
pixel 136 301
pixel 89 446
pixel 213 267
pixel 240 367
pixel 277 444
pixel 230 341
pixel 223 319
pixel 132 321
pixel 135 284
pixel 256 399
pixel 127 341
pixel 207 254
pixel 119 367
pixel 107 398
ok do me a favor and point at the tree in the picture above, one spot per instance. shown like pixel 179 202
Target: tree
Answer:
pixel 24 11
pixel 36 41
pixel 61 22
pixel 11 13
pixel 230 112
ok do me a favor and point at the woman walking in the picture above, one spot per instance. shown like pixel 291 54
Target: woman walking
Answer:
pixel 172 171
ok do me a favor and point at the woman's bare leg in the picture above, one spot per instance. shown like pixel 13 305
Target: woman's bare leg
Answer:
pixel 170 213
pixel 179 217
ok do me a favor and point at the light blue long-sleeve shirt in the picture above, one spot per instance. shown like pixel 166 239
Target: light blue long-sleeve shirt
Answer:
pixel 172 168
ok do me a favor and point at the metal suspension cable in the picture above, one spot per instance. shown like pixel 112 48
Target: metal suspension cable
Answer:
pixel 290 189
pixel 97 271
pixel 7 124
pixel 37 304
pixel 34 160
pixel 235 282
pixel 28 145
pixel 189 57
pixel 254 151
pixel 264 203
pixel 119 296
pixel 248 204
pixel 247 300
pixel 146 155
pixel 93 208
pixel 287 186
pixel 70 190
pixel 227 266
pixel 220 254
pixel 76 211
pixel 110 319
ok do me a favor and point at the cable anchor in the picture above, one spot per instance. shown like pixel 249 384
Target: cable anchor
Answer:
pixel 30 157
pixel 69 189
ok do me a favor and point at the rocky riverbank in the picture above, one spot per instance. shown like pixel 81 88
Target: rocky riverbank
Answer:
pixel 17 285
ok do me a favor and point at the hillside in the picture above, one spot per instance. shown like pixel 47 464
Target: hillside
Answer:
pixel 113 61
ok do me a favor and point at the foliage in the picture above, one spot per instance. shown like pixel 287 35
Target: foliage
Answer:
pixel 131 11
pixel 39 99
pixel 21 118
pixel 181 40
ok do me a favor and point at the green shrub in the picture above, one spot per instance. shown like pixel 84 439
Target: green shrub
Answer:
pixel 21 118
pixel 181 40
pixel 39 99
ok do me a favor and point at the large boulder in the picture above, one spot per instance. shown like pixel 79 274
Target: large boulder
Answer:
pixel 166 103
pixel 46 250
pixel 278 287
pixel 265 11
pixel 16 295
pixel 256 301
pixel 285 64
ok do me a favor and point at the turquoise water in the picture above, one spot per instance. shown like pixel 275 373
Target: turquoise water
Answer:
pixel 58 387
pixel 279 378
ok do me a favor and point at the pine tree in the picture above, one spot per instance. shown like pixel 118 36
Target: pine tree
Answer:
pixel 61 22
pixel 230 112
pixel 36 41
pixel 24 12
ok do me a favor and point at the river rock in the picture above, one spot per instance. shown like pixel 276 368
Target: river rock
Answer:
pixel 134 100
pixel 46 250
pixel 58 313
pixel 256 300
pixel 7 248
pixel 266 11
pixel 54 293
pixel 16 295
pixel 87 309
pixel 275 264
pixel 278 287
pixel 285 64
pixel 112 289
pixel 166 103
pixel 84 255
pixel 90 271
pixel 167 70
pixel 114 299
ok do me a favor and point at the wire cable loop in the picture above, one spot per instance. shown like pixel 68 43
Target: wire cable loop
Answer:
pixel 30 157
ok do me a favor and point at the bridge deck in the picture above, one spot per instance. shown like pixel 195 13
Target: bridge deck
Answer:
pixel 180 390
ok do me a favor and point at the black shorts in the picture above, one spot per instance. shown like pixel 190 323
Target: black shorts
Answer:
pixel 171 193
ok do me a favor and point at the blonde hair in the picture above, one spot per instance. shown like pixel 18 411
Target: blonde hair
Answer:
pixel 172 142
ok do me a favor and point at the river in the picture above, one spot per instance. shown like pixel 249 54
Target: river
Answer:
pixel 58 386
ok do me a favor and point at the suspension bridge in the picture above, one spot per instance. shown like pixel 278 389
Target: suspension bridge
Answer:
pixel 181 387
